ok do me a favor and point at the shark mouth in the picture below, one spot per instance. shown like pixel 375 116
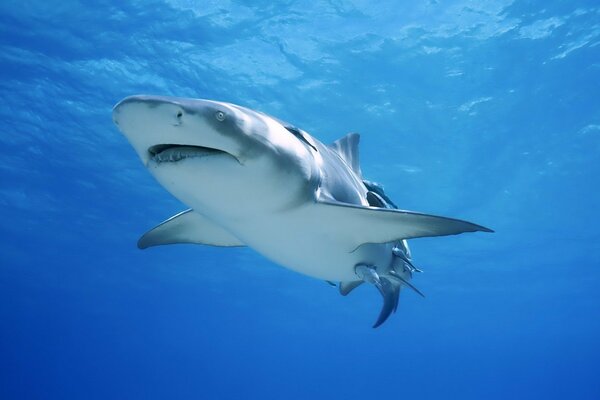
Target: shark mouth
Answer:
pixel 176 152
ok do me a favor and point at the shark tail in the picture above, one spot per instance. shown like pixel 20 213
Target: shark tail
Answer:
pixel 388 282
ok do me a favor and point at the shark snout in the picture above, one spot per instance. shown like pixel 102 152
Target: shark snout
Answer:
pixel 150 121
pixel 170 110
pixel 143 106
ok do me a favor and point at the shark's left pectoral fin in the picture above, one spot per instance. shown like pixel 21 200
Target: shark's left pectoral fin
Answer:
pixel 358 225
pixel 188 227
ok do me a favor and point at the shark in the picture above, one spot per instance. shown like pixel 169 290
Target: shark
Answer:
pixel 250 179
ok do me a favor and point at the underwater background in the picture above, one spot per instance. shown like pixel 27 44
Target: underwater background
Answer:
pixel 487 111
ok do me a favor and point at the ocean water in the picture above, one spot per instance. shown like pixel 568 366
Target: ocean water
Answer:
pixel 483 110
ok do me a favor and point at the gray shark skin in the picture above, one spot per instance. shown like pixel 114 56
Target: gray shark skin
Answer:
pixel 253 180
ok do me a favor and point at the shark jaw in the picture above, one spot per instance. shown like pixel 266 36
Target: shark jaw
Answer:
pixel 172 153
pixel 169 130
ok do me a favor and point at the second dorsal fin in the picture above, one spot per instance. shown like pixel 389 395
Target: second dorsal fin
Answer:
pixel 347 149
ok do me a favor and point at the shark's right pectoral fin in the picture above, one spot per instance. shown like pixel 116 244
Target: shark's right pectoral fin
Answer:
pixel 188 227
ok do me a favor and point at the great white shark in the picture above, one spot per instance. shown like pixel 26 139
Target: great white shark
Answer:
pixel 253 180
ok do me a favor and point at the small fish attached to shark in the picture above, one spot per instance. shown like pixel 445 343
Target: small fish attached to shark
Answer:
pixel 253 180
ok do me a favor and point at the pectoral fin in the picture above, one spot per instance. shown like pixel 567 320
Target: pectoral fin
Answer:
pixel 188 227
pixel 357 225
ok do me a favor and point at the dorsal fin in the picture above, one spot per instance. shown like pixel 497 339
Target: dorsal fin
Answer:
pixel 347 148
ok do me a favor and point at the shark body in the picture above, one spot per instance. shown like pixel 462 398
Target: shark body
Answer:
pixel 253 180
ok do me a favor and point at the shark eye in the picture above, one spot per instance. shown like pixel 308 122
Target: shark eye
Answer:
pixel 179 114
pixel 220 116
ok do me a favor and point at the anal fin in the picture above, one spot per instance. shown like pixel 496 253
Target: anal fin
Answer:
pixel 347 287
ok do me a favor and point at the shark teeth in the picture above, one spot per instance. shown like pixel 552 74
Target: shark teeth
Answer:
pixel 173 153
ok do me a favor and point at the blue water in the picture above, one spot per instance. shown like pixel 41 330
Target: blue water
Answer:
pixel 487 111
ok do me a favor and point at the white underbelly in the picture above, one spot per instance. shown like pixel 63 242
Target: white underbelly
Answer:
pixel 295 242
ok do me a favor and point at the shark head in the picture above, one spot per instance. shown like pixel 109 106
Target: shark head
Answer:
pixel 218 156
